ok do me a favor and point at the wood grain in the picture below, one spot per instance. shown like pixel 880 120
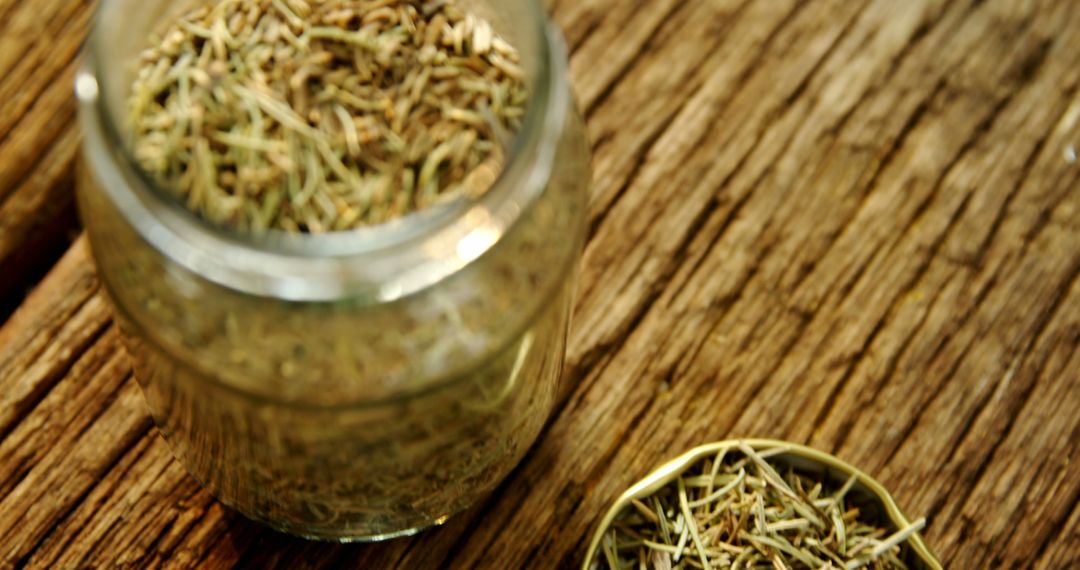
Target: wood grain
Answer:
pixel 848 223
pixel 38 138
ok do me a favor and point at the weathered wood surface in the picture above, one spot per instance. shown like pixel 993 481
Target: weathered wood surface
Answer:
pixel 848 223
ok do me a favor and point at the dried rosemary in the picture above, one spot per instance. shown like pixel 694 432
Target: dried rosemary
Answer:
pixel 324 115
pixel 737 511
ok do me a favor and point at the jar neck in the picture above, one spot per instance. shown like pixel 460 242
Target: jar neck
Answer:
pixel 380 263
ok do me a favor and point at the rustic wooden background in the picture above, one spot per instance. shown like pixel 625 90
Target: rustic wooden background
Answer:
pixel 848 223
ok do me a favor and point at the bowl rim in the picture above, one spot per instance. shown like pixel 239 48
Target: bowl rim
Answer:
pixel 664 474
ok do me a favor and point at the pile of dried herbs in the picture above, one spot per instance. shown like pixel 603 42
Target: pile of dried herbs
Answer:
pixel 324 115
pixel 737 511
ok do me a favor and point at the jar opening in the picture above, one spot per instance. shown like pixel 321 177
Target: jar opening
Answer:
pixel 384 262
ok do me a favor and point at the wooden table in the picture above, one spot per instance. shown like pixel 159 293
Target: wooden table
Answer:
pixel 848 223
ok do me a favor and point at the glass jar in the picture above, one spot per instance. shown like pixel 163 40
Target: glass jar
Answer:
pixel 352 386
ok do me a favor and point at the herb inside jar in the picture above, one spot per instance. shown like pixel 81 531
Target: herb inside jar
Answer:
pixel 324 115
pixel 353 417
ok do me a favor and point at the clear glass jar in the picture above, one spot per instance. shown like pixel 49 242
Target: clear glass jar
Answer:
pixel 360 385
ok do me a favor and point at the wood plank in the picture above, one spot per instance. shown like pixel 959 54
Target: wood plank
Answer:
pixel 43 340
pixel 38 139
pixel 750 373
pixel 849 224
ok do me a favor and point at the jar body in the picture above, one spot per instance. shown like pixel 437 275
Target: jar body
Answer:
pixel 357 417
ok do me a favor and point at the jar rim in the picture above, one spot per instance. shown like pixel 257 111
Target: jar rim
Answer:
pixel 382 263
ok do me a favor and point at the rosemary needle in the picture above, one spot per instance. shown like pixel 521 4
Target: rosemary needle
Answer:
pixel 740 510
pixel 265 97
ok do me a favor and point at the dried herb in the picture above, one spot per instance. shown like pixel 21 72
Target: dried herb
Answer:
pixel 324 115
pixel 736 511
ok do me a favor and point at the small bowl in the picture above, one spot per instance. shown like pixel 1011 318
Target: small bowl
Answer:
pixel 800 457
